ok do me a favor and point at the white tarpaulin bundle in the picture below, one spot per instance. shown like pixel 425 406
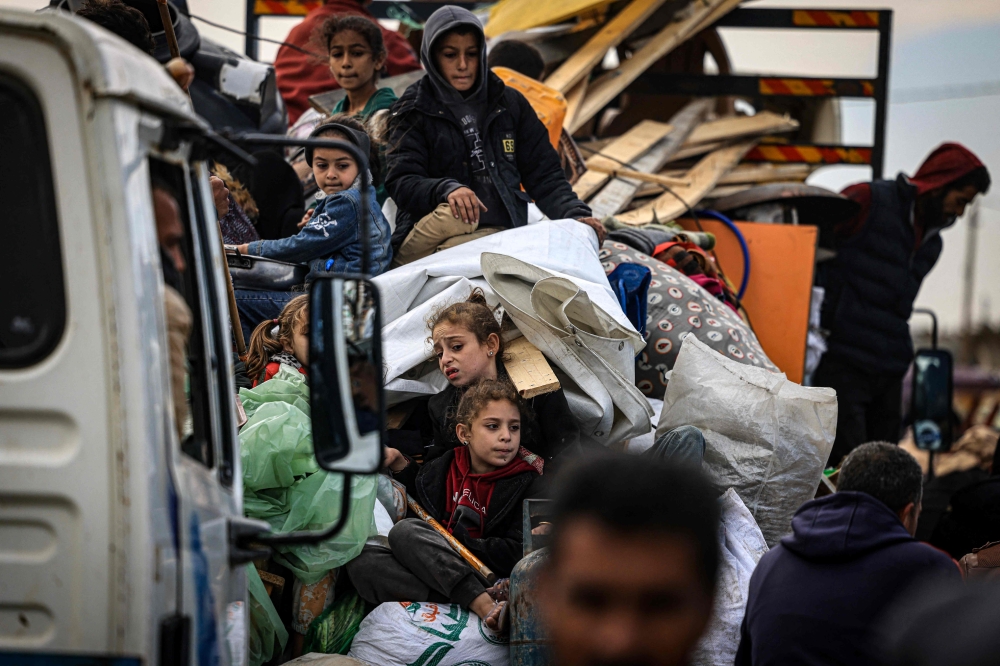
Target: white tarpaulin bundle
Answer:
pixel 741 545
pixel 598 377
pixel 765 436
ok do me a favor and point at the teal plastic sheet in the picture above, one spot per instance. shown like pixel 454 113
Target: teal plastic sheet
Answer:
pixel 268 635
pixel 283 484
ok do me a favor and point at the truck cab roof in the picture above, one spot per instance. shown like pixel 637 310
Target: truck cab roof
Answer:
pixel 105 64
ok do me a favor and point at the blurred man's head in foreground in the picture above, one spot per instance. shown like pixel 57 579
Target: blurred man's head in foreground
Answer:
pixel 631 573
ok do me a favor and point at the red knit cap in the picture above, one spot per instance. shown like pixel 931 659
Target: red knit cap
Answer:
pixel 948 163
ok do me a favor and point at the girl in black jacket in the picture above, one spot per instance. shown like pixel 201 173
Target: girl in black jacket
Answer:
pixel 461 145
pixel 476 491
pixel 468 345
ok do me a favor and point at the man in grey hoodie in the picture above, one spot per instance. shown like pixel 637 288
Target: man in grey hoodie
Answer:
pixel 462 145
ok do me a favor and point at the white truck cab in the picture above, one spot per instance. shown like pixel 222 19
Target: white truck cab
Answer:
pixel 116 531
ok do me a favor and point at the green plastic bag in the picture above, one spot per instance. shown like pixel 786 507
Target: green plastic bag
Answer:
pixel 334 630
pixel 268 635
pixel 283 484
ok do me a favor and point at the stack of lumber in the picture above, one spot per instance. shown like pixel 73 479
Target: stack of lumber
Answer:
pixel 655 171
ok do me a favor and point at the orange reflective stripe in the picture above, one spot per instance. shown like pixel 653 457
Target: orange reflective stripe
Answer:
pixel 810 154
pixel 826 19
pixel 797 87
pixel 285 7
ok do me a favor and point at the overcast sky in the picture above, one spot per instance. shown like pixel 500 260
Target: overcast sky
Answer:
pixel 936 43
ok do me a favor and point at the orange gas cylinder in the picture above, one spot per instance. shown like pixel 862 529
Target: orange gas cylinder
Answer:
pixel 547 102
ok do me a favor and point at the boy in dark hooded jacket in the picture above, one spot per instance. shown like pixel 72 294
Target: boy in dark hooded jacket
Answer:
pixel 461 145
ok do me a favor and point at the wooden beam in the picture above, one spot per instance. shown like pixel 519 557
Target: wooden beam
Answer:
pixel 656 178
pixel 623 150
pixel 704 177
pixel 609 86
pixel 618 193
pixel 509 15
pixel 574 98
pixel 578 66
pixel 531 373
pixel 739 127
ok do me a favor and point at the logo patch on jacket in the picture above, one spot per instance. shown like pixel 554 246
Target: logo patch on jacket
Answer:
pixel 508 145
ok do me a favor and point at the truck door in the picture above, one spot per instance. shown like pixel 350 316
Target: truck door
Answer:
pixel 205 465
pixel 60 541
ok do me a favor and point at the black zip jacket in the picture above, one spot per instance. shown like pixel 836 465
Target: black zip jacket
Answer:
pixel 551 430
pixel 427 157
pixel 500 547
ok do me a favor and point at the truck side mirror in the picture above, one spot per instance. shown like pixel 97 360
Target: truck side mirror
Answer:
pixel 933 389
pixel 345 374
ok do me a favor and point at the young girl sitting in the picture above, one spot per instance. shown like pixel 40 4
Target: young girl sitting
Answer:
pixel 330 241
pixel 476 491
pixel 281 341
pixel 357 57
pixel 468 345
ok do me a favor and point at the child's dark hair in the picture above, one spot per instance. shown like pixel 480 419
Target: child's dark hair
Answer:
pixel 350 121
pixel 474 314
pixel 127 22
pixel 371 32
pixel 518 56
pixel 482 393
pixel 263 343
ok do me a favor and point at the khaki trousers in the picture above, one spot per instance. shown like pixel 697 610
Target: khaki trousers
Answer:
pixel 437 231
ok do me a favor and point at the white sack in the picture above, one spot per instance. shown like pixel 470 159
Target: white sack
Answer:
pixel 411 294
pixel 741 545
pixel 401 633
pixel 766 437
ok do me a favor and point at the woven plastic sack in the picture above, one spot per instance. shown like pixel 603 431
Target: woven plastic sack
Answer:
pixel 283 484
pixel 741 545
pixel 333 631
pixel 405 633
pixel 766 437
pixel 268 635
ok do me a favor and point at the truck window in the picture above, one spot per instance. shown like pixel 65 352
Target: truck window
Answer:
pixel 190 360
pixel 33 307
pixel 221 379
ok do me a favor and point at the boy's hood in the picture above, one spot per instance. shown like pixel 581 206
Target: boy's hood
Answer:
pixel 843 526
pixel 441 21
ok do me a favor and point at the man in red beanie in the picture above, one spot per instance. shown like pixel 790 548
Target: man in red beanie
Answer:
pixel 883 255
pixel 300 75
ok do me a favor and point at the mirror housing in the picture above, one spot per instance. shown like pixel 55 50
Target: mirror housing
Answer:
pixel 931 402
pixel 347 399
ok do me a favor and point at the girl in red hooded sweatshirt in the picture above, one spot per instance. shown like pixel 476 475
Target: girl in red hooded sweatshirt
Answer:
pixel 477 491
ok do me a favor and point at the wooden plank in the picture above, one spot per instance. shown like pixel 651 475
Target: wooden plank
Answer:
pixel 754 174
pixel 739 127
pixel 574 98
pixel 531 373
pixel 578 66
pixel 609 86
pixel 510 15
pixel 689 151
pixel 619 192
pixel 656 178
pixel 704 177
pixel 623 150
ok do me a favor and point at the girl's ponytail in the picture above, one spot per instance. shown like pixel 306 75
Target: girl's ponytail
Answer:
pixel 265 341
pixel 261 346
